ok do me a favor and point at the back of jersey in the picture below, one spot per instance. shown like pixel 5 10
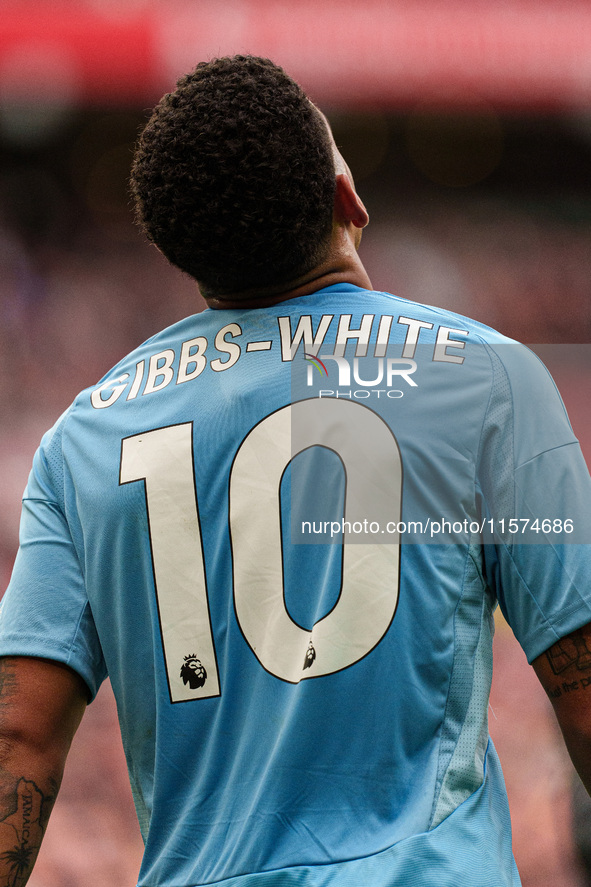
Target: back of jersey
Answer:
pixel 275 522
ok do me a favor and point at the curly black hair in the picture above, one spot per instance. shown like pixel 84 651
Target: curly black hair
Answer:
pixel 234 177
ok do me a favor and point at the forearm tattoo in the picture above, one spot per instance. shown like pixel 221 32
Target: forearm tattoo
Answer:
pixel 21 833
pixel 24 807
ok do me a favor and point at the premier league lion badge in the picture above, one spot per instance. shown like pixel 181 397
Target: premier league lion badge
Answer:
pixel 193 672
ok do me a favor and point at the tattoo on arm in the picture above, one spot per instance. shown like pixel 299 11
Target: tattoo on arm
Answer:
pixel 570 659
pixel 22 832
pixel 24 807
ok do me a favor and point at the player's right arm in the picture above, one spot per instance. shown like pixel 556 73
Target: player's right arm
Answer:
pixel 41 705
pixel 564 671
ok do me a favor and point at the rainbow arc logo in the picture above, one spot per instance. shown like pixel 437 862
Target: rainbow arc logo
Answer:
pixel 317 363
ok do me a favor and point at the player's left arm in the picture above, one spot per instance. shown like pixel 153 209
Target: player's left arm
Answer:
pixel 564 671
pixel 41 705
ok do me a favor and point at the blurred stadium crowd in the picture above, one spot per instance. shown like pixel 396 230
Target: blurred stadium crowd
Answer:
pixel 486 214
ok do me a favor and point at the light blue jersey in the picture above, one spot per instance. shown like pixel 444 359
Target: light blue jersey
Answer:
pixel 282 533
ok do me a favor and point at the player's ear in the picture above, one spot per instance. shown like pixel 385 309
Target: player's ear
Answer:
pixel 348 206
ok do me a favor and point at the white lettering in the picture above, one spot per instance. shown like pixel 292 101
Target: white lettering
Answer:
pixel 412 336
pixel 344 368
pixel 118 389
pixel 391 370
pixel 160 368
pixel 137 380
pixel 444 341
pixel 345 333
pixel 192 354
pixel 289 343
pixel 383 335
pixel 375 381
pixel 231 348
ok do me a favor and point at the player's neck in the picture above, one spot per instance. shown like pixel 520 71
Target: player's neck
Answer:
pixel 345 270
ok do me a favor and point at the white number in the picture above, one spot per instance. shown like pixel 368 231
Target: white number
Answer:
pixel 164 460
pixel 369 589
pixel 370 573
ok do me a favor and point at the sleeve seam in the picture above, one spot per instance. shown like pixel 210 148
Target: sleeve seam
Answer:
pixel 569 443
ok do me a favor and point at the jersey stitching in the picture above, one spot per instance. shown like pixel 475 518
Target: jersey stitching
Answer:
pixel 486 410
pixel 440 778
pixel 483 609
pixel 570 443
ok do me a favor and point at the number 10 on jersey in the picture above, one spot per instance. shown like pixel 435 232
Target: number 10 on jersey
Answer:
pixel 164 460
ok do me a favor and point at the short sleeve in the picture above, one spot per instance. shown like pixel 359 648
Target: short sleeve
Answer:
pixel 45 611
pixel 538 499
